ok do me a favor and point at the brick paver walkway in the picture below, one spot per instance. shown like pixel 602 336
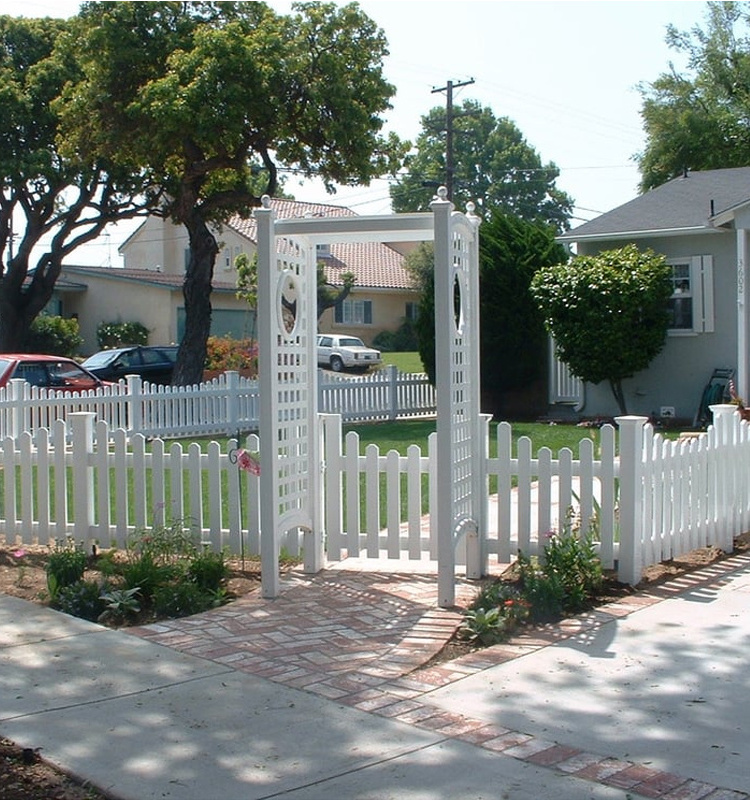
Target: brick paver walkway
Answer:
pixel 362 638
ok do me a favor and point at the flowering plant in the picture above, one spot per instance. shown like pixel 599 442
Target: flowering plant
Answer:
pixel 224 352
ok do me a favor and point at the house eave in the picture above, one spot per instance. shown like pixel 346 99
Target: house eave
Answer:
pixel 620 236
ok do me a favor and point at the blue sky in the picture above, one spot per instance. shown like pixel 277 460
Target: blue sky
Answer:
pixel 565 72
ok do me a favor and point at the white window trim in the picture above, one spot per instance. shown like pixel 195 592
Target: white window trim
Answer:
pixel 347 307
pixel 702 288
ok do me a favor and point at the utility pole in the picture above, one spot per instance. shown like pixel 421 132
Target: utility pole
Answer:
pixel 448 89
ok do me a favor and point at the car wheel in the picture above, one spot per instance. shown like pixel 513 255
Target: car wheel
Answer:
pixel 337 365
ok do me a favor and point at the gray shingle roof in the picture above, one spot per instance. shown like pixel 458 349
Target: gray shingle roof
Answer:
pixel 143 276
pixel 683 204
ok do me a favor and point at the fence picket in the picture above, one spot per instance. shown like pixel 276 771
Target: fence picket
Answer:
pixel 655 499
pixel 353 494
pixel 414 496
pixel 372 500
pixel 43 469
pixel 393 489
pixel 222 406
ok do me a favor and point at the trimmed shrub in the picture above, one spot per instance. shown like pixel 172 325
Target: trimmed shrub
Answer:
pixel 55 336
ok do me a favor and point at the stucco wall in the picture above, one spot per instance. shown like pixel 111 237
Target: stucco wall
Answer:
pixel 388 312
pixel 678 375
pixel 110 300
pixel 157 244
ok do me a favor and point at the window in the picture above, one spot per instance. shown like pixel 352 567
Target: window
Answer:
pixel 691 306
pixel 354 312
pixel 412 311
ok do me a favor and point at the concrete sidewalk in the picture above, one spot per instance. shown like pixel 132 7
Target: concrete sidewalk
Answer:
pixel 320 694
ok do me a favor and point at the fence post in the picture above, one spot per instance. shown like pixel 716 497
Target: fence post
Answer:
pixel 19 391
pixel 724 418
pixel 393 391
pixel 232 378
pixel 630 562
pixel 134 404
pixel 82 445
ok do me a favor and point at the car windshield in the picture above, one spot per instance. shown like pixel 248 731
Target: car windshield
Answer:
pixel 351 341
pixel 101 359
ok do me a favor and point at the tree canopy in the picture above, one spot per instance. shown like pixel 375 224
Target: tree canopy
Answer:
pixel 51 201
pixel 190 96
pixel 698 119
pixel 493 167
pixel 607 313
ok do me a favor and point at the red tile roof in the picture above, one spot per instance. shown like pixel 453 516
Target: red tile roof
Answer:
pixel 374 264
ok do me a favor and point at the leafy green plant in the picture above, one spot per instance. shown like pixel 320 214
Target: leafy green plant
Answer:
pixel 164 543
pixel 65 566
pixel 544 593
pixel 80 599
pixel 184 598
pixel 573 561
pixel 120 604
pixel 566 578
pixel 208 570
pixel 143 571
pixel 58 336
pixel 484 625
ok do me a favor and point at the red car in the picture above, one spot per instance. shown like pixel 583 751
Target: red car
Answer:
pixel 50 372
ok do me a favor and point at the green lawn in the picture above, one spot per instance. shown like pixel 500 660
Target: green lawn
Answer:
pixel 400 434
pixel 406 362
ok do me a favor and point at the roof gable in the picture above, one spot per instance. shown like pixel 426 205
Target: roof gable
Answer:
pixel 374 264
pixel 688 204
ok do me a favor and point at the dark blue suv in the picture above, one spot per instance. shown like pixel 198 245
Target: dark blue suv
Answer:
pixel 153 364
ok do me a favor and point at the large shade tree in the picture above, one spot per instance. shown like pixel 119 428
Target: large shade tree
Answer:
pixel 697 119
pixel 51 201
pixel 191 94
pixel 607 313
pixel 493 167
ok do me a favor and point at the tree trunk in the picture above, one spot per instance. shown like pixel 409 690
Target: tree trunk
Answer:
pixel 20 305
pixel 196 290
pixel 619 394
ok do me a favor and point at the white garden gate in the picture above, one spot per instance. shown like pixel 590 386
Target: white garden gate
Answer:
pixel 287 325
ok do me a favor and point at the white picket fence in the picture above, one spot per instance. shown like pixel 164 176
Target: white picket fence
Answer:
pixel 650 498
pixel 222 406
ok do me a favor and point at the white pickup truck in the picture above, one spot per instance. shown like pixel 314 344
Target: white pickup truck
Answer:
pixel 339 352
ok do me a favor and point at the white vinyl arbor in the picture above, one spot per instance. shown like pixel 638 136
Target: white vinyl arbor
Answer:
pixel 287 329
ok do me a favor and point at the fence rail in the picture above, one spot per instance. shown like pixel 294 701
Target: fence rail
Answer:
pixel 222 406
pixel 651 498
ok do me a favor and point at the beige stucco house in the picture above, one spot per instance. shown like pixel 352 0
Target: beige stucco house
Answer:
pixel 148 288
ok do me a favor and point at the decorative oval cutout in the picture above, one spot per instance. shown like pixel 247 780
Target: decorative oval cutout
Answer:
pixel 458 311
pixel 287 307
